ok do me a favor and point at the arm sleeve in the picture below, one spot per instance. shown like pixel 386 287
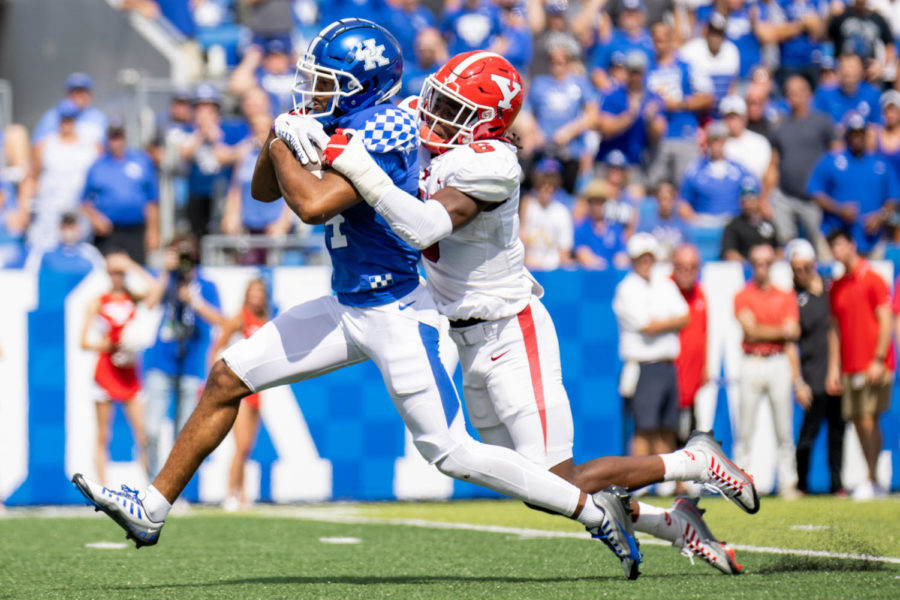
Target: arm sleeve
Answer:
pixel 419 224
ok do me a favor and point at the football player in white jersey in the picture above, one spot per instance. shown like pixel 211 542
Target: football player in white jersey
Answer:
pixel 466 223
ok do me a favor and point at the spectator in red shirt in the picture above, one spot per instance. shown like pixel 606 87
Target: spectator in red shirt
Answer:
pixel 769 319
pixel 861 307
pixel 691 362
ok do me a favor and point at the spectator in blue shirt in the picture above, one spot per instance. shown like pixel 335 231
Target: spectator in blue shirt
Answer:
pixel 120 198
pixel 243 213
pixel 269 68
pixel 851 93
pixel 564 104
pixel 176 363
pixel 431 53
pixel 662 220
pixel 856 188
pixel 516 43
pixel 90 122
pixel 797 31
pixel 406 19
pixel 631 118
pixel 210 153
pixel 70 255
pixel 711 187
pixel 631 35
pixel 473 26
pixel 599 242
pixel 687 96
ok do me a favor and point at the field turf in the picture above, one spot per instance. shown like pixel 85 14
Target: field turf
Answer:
pixel 442 550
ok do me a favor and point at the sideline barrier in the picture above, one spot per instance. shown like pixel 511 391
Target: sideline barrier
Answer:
pixel 338 437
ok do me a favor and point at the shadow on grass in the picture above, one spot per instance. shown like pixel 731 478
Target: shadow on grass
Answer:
pixel 808 564
pixel 364 580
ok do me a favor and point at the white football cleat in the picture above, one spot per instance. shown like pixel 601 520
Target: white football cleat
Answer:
pixel 723 476
pixel 125 508
pixel 697 540
pixel 617 529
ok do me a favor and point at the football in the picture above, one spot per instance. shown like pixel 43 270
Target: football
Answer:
pixel 316 167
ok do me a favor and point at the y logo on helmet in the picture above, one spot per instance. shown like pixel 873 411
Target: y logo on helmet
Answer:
pixel 372 54
pixel 509 88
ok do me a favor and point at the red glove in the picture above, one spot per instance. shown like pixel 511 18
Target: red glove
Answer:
pixel 336 145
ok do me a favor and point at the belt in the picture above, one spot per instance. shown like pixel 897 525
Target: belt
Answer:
pixel 466 322
pixel 764 354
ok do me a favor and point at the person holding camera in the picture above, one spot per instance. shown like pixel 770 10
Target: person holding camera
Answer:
pixel 176 363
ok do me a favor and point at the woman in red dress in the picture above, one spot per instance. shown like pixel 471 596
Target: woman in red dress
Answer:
pixel 254 313
pixel 116 374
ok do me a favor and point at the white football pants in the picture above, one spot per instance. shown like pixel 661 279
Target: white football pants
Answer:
pixel 322 335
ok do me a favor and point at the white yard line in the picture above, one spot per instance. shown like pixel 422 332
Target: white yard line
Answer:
pixel 349 514
pixel 344 516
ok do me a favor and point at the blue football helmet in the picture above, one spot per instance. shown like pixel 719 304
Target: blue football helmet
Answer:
pixel 352 64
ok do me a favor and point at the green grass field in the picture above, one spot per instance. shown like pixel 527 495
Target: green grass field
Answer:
pixel 420 551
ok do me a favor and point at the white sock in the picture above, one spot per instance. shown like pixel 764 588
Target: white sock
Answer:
pixel 658 522
pixel 155 504
pixel 684 465
pixel 591 515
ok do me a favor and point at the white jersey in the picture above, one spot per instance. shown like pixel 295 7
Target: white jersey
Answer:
pixel 479 271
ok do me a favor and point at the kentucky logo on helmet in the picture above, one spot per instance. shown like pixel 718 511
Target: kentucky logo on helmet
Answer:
pixel 372 54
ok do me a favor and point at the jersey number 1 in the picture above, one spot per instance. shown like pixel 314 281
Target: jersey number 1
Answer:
pixel 337 239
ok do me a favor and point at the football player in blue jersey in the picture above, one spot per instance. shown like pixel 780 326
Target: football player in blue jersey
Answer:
pixel 379 312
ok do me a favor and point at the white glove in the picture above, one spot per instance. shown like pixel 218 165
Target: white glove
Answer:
pixel 347 155
pixel 302 134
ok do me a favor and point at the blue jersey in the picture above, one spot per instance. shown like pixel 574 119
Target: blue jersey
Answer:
pixel 866 181
pixel 833 101
pixel 183 337
pixel 634 140
pixel 623 43
pixel 555 103
pixel 471 28
pixel 605 239
pixel 802 50
pixel 120 188
pixel 371 264
pixel 676 81
pixel 714 187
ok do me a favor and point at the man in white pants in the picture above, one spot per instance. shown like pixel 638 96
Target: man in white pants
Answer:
pixel 468 228
pixel 769 318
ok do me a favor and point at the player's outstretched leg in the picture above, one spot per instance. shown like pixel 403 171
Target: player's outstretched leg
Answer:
pixel 142 515
pixel 697 540
pixel 125 508
pixel 616 530
pixel 724 476
pixel 683 525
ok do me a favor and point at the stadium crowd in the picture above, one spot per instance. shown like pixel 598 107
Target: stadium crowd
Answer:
pixel 713 129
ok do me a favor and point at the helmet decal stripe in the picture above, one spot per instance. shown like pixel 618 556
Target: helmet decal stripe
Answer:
pixel 462 66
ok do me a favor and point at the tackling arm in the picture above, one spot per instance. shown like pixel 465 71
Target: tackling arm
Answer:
pixel 420 224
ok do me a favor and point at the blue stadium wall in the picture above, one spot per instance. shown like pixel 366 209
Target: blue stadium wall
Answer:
pixel 336 437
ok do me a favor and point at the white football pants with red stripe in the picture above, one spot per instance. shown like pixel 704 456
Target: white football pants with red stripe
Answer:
pixel 512 384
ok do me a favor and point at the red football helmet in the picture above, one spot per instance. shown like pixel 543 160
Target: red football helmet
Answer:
pixel 474 96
